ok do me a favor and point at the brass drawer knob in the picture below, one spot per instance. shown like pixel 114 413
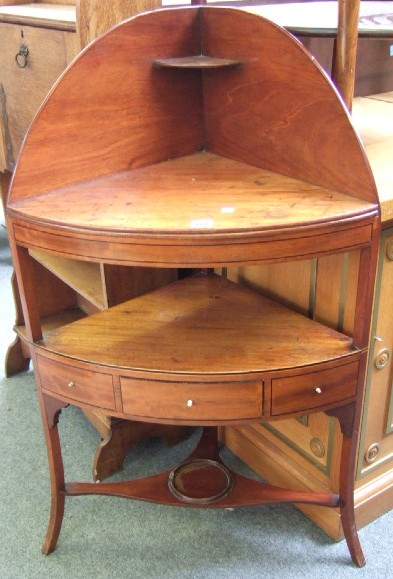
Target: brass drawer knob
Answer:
pixel 382 358
pixel 71 384
pixel 190 403
pixel 318 390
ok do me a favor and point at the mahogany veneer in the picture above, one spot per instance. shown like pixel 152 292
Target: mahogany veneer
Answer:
pixel 196 138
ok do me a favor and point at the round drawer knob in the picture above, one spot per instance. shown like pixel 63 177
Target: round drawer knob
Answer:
pixel 372 453
pixel 190 403
pixel 382 358
pixel 71 384
pixel 318 390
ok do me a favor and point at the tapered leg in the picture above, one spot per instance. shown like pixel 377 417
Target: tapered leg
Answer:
pixel 347 509
pixel 50 411
pixel 347 416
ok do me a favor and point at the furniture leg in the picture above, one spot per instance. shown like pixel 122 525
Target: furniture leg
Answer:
pixel 18 354
pixel 119 436
pixel 17 358
pixel 346 418
pixel 51 409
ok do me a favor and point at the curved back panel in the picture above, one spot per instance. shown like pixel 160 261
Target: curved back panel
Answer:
pixel 112 109
pixel 279 111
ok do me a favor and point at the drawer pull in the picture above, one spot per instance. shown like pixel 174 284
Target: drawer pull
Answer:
pixel 71 384
pixel 318 390
pixel 190 403
pixel 21 56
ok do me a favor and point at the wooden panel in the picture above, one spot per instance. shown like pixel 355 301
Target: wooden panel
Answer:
pixel 376 448
pixel 83 276
pixel 123 283
pixel 24 88
pixel 328 299
pixel 251 124
pixel 311 437
pixel 192 401
pixel 135 126
pixel 308 391
pixel 136 251
pixel 77 384
pixel 291 283
pixel 53 295
pixel 97 16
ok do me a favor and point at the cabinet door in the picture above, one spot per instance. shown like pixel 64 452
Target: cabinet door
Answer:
pixel 376 448
pixel 43 54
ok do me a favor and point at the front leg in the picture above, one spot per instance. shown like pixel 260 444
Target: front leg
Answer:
pixel 346 416
pixel 51 408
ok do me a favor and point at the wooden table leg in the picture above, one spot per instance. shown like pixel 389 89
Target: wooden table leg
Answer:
pixel 346 417
pixel 51 409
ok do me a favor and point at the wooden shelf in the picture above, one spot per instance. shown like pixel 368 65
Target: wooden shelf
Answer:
pixel 198 62
pixel 50 323
pixel 217 195
pixel 83 276
pixel 166 330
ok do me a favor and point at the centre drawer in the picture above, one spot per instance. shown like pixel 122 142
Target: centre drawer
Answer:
pixel 305 392
pixel 76 383
pixel 192 401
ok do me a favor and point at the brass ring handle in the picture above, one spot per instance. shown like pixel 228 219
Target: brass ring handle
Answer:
pixel 21 56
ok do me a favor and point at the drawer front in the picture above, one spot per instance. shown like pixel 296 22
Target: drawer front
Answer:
pixel 77 384
pixel 310 391
pixel 192 401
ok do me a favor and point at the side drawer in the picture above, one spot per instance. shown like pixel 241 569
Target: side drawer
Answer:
pixel 192 401
pixel 308 391
pixel 76 384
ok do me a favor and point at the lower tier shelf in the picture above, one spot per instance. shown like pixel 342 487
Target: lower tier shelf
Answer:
pixel 202 350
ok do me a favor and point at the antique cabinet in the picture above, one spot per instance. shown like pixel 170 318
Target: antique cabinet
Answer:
pixel 313 442
pixel 199 151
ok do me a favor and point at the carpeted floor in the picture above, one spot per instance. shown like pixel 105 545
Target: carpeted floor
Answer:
pixel 106 537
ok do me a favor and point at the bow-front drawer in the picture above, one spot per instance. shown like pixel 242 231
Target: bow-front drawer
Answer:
pixel 313 390
pixel 76 384
pixel 192 401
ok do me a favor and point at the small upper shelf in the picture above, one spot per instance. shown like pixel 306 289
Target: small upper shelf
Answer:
pixel 199 61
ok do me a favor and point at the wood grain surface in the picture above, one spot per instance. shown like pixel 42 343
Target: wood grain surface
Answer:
pixel 189 327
